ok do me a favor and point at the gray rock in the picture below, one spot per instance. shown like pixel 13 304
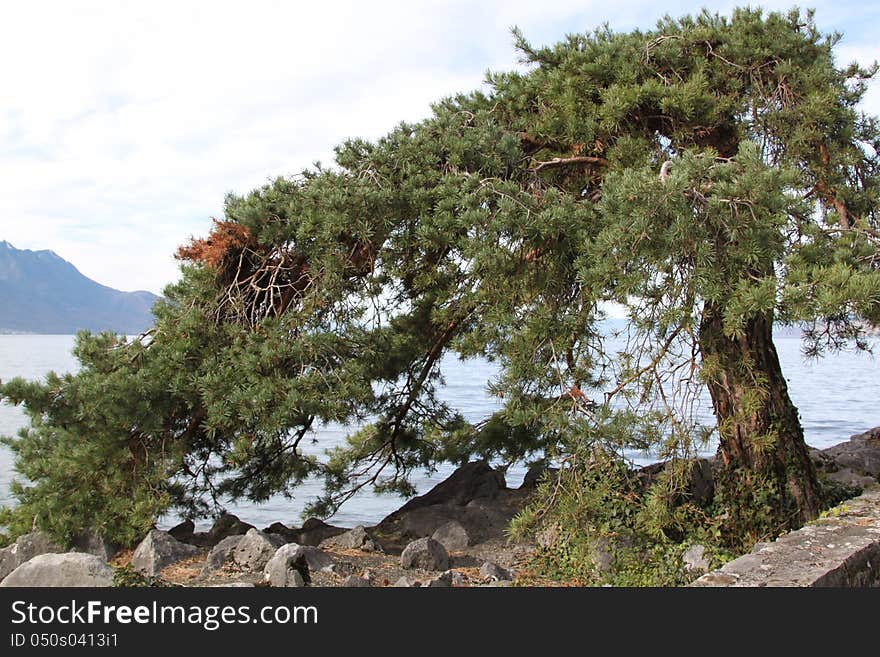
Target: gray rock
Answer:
pixel 288 566
pixel 314 531
pixel 228 524
pixel 861 453
pixel 68 569
pixel 452 535
pixel 157 551
pixel 183 531
pixel 847 477
pixel 25 548
pixel 8 562
pixel 695 559
pixel 91 543
pixel 603 554
pixel 443 581
pixel 355 539
pixel 289 533
pixel 316 559
pixel 494 573
pixel 353 581
pixel 701 487
pixel 447 579
pixel 536 473
pixel 426 554
pixel 220 553
pixel 407 582
pixel 255 549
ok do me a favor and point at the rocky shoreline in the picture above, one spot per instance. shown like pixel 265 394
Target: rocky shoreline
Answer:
pixel 453 535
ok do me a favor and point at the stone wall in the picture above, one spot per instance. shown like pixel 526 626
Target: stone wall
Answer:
pixel 840 549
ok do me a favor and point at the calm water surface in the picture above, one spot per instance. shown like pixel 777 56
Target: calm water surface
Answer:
pixel 837 397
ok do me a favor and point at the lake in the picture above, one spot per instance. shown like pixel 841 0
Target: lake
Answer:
pixel 837 397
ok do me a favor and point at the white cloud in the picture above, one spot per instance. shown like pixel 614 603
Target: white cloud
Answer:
pixel 123 125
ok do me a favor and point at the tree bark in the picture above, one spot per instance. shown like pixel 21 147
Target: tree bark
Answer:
pixel 767 481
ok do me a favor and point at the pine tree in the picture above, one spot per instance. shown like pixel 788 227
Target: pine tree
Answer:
pixel 713 176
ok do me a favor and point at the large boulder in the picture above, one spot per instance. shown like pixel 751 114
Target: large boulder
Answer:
pixel 292 565
pixel 68 569
pixel 159 550
pixel 255 549
pixel 228 524
pixel 474 480
pixel 860 454
pixel 315 530
pixel 25 548
pixel 425 554
pixel 475 496
pixel 220 553
pixel 183 531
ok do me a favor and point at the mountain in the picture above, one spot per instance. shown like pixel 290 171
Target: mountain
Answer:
pixel 40 292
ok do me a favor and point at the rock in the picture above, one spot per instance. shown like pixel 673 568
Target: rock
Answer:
pixel 353 581
pixel 314 531
pixel 316 558
pixel 603 554
pixel 406 582
pixel 453 536
pixel 289 566
pixel 442 581
pixel 158 550
pixel 183 531
pixel 535 474
pixel 255 549
pixel 355 539
pixel 494 573
pixel 447 579
pixel 68 569
pixel 91 543
pixel 474 480
pixel 861 453
pixel 701 488
pixel 228 525
pixel 426 554
pixel 289 534
pixel 695 559
pixel 8 562
pixel 25 548
pixel 220 553
pixel 847 477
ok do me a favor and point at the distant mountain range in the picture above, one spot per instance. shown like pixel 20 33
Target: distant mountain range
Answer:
pixel 40 292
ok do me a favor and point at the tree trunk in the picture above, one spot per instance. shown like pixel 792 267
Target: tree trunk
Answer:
pixel 767 481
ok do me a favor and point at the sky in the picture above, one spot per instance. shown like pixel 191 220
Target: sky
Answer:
pixel 123 125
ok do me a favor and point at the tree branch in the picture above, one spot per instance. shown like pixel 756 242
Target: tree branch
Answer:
pixel 566 161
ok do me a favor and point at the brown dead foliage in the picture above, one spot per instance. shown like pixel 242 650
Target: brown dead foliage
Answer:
pixel 226 238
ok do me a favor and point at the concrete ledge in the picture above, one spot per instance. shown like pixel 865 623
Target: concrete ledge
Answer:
pixel 841 549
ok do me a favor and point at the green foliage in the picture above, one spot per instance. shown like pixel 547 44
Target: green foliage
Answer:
pixel 128 577
pixel 713 175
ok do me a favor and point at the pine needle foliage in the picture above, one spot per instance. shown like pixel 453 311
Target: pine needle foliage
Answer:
pixel 713 176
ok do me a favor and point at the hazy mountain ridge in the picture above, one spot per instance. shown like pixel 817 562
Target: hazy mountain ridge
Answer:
pixel 40 292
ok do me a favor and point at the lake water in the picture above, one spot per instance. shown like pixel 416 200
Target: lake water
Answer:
pixel 837 397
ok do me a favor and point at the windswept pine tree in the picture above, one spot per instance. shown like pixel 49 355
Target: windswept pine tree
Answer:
pixel 713 176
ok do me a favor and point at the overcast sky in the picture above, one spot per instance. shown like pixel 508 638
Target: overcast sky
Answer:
pixel 124 124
